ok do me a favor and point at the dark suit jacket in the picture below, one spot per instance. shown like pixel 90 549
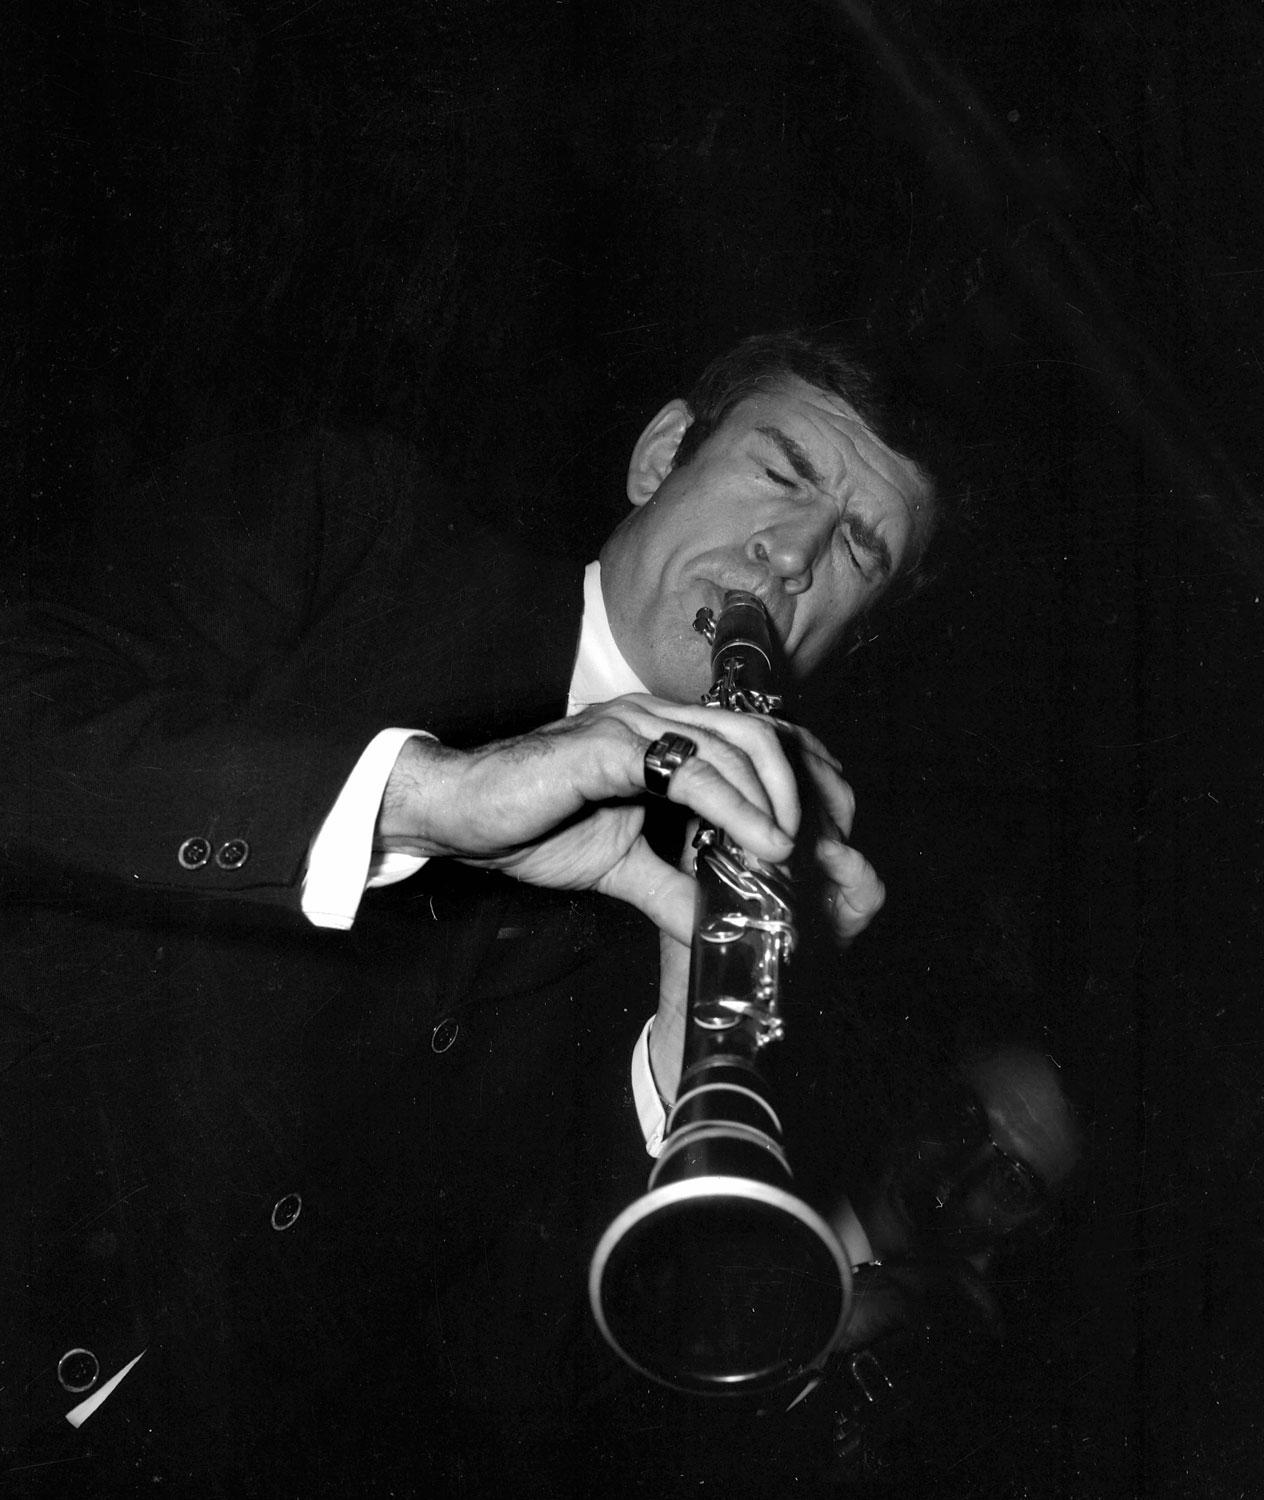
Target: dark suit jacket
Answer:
pixel 339 1187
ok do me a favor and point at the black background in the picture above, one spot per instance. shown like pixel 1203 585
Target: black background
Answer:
pixel 512 230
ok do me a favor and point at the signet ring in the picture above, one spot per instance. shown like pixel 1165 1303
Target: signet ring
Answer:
pixel 663 757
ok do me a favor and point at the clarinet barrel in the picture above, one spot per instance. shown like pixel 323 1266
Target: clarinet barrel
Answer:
pixel 719 1280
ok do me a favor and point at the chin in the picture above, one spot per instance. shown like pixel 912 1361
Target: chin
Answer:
pixel 684 674
pixel 684 687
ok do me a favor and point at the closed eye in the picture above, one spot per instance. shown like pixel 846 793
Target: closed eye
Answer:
pixel 853 556
pixel 794 454
pixel 868 550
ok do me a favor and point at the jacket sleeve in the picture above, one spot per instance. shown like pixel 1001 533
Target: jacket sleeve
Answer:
pixel 180 719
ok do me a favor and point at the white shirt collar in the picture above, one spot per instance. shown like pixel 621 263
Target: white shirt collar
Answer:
pixel 600 670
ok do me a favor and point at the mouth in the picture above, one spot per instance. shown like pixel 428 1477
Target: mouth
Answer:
pixel 779 609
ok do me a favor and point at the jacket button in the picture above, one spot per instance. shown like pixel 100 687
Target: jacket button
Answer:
pixel 285 1211
pixel 194 853
pixel 233 854
pixel 77 1370
pixel 444 1034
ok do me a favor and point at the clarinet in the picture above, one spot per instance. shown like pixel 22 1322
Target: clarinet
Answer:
pixel 719 1280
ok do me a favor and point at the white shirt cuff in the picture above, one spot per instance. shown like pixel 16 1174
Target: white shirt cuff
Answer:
pixel 651 1112
pixel 341 864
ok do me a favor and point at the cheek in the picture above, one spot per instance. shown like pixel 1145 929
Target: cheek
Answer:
pixel 825 628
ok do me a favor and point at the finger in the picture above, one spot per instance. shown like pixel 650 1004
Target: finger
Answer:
pixel 808 742
pixel 665 895
pixel 704 790
pixel 736 766
pixel 610 743
pixel 747 750
pixel 606 749
pixel 856 893
pixel 739 779
pixel 836 798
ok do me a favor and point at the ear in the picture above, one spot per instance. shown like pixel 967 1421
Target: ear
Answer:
pixel 655 451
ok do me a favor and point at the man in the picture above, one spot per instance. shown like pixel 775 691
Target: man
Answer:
pixel 982 1166
pixel 294 693
pixel 975 1176
pixel 790 495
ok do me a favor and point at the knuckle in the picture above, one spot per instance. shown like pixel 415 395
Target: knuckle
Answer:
pixel 755 729
pixel 729 759
pixel 688 779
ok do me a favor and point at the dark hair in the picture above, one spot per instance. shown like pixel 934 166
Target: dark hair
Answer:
pixel 763 361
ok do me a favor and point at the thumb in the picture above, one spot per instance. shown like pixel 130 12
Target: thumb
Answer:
pixel 666 895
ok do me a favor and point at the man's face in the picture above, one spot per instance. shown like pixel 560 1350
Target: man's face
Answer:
pixel 986 1161
pixel 792 497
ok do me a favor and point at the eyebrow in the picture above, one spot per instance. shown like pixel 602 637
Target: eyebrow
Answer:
pixel 794 455
pixel 865 536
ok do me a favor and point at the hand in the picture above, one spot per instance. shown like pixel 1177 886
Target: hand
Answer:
pixel 854 895
pixel 563 806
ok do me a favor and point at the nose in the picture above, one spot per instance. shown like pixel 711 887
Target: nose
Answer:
pixel 789 549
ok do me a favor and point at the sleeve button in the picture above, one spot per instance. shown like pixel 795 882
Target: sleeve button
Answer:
pixel 194 853
pixel 233 854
